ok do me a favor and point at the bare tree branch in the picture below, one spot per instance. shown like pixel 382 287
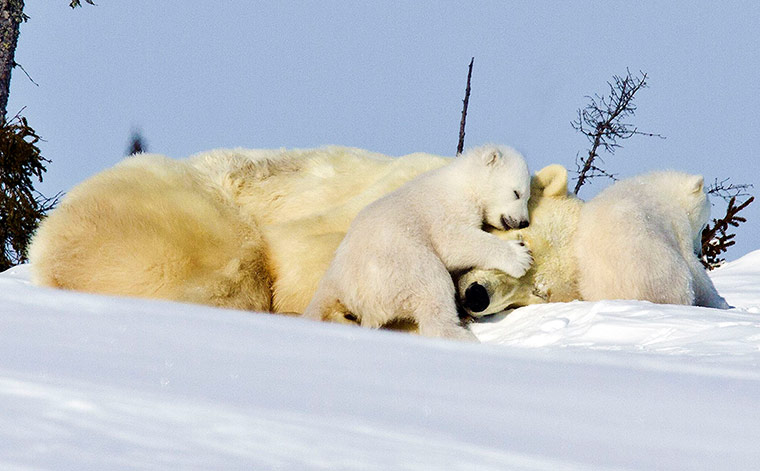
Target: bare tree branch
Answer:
pixel 602 122
pixel 727 190
pixel 466 102
pixel 16 64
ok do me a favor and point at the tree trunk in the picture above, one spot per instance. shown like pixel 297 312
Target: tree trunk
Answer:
pixel 11 16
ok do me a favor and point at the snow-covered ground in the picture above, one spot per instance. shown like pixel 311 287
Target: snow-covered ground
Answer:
pixel 105 383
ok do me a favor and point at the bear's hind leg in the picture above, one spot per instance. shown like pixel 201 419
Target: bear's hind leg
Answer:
pixel 326 306
pixel 705 293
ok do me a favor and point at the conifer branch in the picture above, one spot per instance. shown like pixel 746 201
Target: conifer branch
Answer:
pixel 716 239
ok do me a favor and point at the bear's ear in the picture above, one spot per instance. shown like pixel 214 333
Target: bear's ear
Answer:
pixel 492 156
pixel 697 184
pixel 550 181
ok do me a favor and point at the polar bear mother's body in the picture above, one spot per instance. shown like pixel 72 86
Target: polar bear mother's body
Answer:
pixel 250 229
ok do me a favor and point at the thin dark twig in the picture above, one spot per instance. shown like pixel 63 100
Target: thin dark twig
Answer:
pixel 78 3
pixel 466 102
pixel 727 190
pixel 16 64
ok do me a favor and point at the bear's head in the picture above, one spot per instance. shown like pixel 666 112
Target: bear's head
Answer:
pixel 503 185
pixel 553 215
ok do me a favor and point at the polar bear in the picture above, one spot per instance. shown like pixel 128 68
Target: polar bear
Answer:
pixel 250 229
pixel 640 239
pixel 395 261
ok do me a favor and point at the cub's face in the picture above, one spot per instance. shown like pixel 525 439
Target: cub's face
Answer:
pixel 505 186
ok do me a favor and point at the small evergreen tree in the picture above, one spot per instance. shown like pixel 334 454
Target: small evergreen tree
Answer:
pixel 716 237
pixel 21 206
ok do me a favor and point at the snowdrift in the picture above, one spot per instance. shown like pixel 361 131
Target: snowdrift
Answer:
pixel 96 382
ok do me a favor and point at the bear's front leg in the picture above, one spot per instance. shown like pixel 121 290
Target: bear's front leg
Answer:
pixel 463 248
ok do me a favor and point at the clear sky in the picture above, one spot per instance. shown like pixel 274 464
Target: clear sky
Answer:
pixel 389 76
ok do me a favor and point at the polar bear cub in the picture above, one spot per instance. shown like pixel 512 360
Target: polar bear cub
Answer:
pixel 395 260
pixel 639 239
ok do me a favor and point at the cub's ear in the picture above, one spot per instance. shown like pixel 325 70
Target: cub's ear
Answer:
pixel 491 156
pixel 697 183
pixel 550 181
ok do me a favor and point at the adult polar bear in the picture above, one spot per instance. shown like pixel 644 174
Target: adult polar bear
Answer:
pixel 247 229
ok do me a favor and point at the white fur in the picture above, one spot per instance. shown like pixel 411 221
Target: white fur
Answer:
pixel 396 257
pixel 637 240
pixel 244 228
pixel 153 227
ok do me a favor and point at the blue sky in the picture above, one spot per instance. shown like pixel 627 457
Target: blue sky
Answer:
pixel 389 76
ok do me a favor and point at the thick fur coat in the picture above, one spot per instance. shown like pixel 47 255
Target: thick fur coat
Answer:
pixel 247 229
pixel 639 239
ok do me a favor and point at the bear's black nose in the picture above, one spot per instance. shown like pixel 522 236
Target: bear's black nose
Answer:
pixel 523 224
pixel 476 298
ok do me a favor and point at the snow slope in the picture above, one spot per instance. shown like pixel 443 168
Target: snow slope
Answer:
pixel 96 382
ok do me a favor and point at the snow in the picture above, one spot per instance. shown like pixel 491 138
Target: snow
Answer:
pixel 98 382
